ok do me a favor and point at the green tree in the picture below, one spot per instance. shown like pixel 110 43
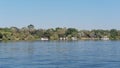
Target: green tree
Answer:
pixel 113 33
pixel 60 31
pixel 31 29
pixel 39 33
pixel 48 33
pixel 1 36
pixel 71 31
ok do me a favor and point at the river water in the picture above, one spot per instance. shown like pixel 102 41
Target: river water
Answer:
pixel 60 54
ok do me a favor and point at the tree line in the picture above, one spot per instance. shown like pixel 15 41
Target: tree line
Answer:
pixel 30 33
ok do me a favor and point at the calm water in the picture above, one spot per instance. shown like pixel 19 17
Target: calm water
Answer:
pixel 60 54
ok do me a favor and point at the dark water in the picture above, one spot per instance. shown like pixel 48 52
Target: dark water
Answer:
pixel 60 54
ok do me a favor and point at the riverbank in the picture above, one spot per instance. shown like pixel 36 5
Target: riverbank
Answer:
pixel 30 33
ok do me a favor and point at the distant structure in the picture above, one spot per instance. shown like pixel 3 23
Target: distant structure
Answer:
pixel 74 38
pixel 44 39
pixel 62 38
pixel 105 38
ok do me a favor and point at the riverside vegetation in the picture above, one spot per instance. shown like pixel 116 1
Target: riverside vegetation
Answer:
pixel 30 33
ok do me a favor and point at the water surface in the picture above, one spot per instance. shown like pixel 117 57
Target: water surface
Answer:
pixel 60 54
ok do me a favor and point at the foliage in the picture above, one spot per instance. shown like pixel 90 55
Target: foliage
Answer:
pixel 1 35
pixel 30 33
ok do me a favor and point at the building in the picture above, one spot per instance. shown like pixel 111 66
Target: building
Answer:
pixel 74 38
pixel 63 38
pixel 105 38
pixel 44 38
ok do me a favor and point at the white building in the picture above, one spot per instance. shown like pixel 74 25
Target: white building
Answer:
pixel 74 38
pixel 63 38
pixel 44 39
pixel 105 38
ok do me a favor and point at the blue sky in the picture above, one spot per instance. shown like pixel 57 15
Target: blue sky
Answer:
pixel 81 14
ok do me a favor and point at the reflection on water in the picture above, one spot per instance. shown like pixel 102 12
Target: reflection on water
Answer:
pixel 60 54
